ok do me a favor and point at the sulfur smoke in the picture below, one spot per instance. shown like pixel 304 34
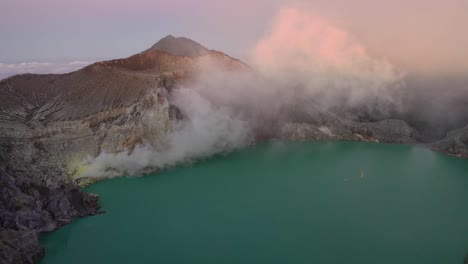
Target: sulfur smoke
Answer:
pixel 327 62
pixel 303 56
pixel 206 130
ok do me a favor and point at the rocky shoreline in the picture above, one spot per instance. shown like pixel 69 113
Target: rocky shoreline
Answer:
pixel 29 207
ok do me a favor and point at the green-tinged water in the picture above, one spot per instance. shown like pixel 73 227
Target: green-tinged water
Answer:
pixel 340 202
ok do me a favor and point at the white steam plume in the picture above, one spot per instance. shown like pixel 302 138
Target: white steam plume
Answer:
pixel 326 61
pixel 206 130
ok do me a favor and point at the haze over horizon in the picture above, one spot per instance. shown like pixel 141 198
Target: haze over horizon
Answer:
pixel 421 37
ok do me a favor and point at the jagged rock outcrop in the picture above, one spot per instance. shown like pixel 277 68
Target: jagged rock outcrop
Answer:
pixel 34 201
pixel 387 131
pixel 316 123
pixel 455 143
pixel 30 204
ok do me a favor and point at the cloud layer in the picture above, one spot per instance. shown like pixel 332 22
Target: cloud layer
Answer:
pixel 10 69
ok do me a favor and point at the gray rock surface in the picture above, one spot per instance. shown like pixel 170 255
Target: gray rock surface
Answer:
pixel 30 205
pixel 19 247
pixel 455 143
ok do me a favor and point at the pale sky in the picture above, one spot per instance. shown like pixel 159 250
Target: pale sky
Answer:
pixel 428 36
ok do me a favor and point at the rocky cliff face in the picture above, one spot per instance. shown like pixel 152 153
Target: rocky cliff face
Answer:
pixel 35 199
pixel 386 131
pixel 49 124
pixel 455 143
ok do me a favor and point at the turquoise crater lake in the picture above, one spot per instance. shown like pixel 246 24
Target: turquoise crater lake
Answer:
pixel 315 202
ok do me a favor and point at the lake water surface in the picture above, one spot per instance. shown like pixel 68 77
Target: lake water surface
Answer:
pixel 316 202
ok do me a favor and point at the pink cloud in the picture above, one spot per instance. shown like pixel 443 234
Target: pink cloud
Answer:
pixel 307 39
pixel 309 51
